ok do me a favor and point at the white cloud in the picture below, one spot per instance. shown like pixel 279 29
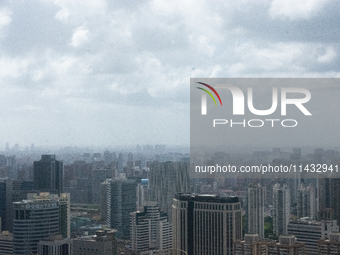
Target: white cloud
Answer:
pixel 295 10
pixel 80 36
pixel 5 17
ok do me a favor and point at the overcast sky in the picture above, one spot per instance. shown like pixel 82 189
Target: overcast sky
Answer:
pixel 109 73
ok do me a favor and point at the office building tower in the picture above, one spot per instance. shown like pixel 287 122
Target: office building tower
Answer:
pixel 165 180
pixel 64 215
pixel 281 212
pixel 56 245
pixel 335 197
pixel 121 199
pixel 256 196
pixel 103 243
pixel 310 231
pixel 150 229
pixel 6 243
pixel 35 219
pixel 329 246
pixel 103 198
pixel 286 245
pixel 143 193
pixel 306 201
pixel 251 245
pixel 6 208
pixel 206 224
pixel 48 175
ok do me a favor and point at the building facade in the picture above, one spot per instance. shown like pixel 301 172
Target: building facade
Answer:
pixel 55 246
pixel 310 231
pixel 281 212
pixel 103 243
pixel 48 175
pixel 287 245
pixel 306 201
pixel 256 196
pixel 206 224
pixel 121 199
pixel 251 245
pixel 150 229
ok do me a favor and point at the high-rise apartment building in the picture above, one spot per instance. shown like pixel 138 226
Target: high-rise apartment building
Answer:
pixel 306 201
pixel 121 199
pixel 206 224
pixel 6 243
pixel 310 231
pixel 251 245
pixel 256 196
pixel 281 212
pixel 329 246
pixel 165 180
pixel 48 175
pixel 287 245
pixel 150 229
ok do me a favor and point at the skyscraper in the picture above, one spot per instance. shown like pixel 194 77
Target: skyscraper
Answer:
pixel 121 199
pixel 150 229
pixel 37 218
pixel 256 196
pixel 6 200
pixel 306 201
pixel 48 175
pixel 206 224
pixel 281 213
pixel 34 220
pixel 165 180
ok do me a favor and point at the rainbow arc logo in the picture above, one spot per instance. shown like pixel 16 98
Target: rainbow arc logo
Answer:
pixel 209 93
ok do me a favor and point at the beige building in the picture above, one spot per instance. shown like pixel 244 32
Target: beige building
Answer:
pixel 329 246
pixel 251 245
pixel 287 245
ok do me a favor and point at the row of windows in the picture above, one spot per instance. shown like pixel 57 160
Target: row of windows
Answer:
pixel 217 206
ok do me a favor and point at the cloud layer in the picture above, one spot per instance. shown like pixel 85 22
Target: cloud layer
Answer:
pixel 117 72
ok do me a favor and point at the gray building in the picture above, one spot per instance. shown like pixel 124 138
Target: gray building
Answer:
pixel 306 201
pixel 256 196
pixel 310 231
pixel 281 212
pixel 56 245
pixel 37 218
pixel 48 175
pixel 103 243
pixel 6 200
pixel 165 180
pixel 6 243
pixel 121 201
pixel 206 224
pixel 150 229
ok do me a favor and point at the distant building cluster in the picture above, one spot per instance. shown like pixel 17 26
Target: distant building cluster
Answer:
pixel 146 203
